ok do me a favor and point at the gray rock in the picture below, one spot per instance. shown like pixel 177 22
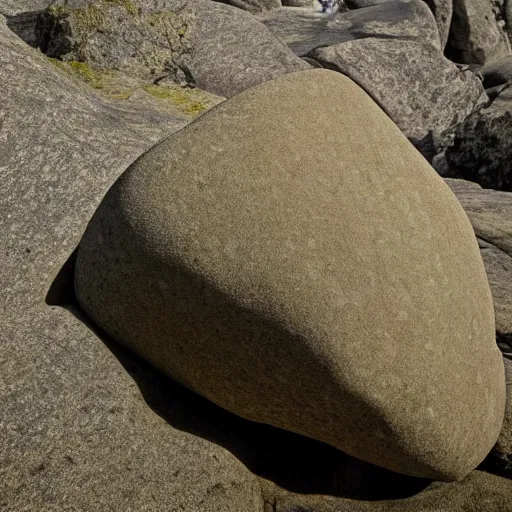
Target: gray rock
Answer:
pixel 269 281
pixel 490 213
pixel 497 73
pixel 475 35
pixel 442 11
pixel 75 431
pixel 253 6
pixel 216 47
pixel 299 3
pixel 419 89
pixel 14 7
pixel 481 150
pixel 304 31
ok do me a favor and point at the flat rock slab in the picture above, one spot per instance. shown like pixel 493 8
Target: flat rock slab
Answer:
pixel 276 286
pixel 304 30
pixel 419 89
pixel 76 433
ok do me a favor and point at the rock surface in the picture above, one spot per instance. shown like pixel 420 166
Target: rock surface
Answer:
pixel 497 73
pixel 481 149
pixel 475 36
pixel 75 431
pixel 253 6
pixel 490 213
pixel 419 89
pixel 303 31
pixel 442 11
pixel 215 47
pixel 259 294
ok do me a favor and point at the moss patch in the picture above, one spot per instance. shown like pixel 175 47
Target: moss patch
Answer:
pixel 128 5
pixel 94 77
pixel 186 100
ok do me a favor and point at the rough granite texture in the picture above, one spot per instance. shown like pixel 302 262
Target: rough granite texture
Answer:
pixel 413 83
pixel 490 213
pixel 475 36
pixel 269 281
pixel 75 431
pixel 497 73
pixel 305 30
pixel 442 11
pixel 481 149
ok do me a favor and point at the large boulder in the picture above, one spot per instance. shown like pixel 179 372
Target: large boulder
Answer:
pixel 261 270
pixel 480 149
pixel 420 90
pixel 475 35
pixel 303 31
pixel 215 47
pixel 75 431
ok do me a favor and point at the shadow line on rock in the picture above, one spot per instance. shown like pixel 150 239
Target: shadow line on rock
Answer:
pixel 293 462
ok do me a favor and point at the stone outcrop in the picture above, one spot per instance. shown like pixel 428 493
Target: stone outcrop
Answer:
pixel 76 432
pixel 270 283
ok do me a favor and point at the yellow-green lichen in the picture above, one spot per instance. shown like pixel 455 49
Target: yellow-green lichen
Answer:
pixel 182 98
pixel 128 5
pixel 89 18
pixel 93 77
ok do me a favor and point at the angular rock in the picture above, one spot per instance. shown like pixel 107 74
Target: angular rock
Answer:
pixel 475 36
pixel 303 31
pixel 481 149
pixel 419 89
pixel 253 6
pixel 75 432
pixel 269 281
pixel 216 47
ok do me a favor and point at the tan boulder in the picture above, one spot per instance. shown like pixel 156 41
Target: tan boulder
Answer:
pixel 297 262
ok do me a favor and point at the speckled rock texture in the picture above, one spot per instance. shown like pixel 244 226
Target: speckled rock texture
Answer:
pixel 305 30
pixel 269 281
pixel 419 89
pixel 490 213
pixel 475 35
pixel 75 430
pixel 253 6
pixel 442 11
pixel 215 47
pixel 481 147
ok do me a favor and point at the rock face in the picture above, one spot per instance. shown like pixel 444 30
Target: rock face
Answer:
pixel 497 73
pixel 442 11
pixel 481 150
pixel 475 36
pixel 490 213
pixel 253 6
pixel 76 433
pixel 216 47
pixel 303 31
pixel 269 282
pixel 414 84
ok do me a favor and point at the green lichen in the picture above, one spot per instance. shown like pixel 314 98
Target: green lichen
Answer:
pixel 94 77
pixel 89 18
pixel 182 98
pixel 128 5
pixel 59 11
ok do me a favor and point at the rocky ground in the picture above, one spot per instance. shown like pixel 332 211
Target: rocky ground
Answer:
pixel 290 198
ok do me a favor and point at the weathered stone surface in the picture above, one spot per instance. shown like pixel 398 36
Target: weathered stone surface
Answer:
pixel 481 149
pixel 269 281
pixel 299 3
pixel 216 47
pixel 475 36
pixel 419 89
pixel 442 11
pixel 233 51
pixel 497 73
pixel 490 213
pixel 478 492
pixel 502 452
pixel 75 432
pixel 253 6
pixel 13 7
pixel 303 31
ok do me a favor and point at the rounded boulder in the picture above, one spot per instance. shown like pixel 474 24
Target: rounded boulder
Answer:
pixel 290 256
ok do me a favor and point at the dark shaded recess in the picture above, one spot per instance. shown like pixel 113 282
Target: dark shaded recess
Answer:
pixel 291 461
pixel 24 26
